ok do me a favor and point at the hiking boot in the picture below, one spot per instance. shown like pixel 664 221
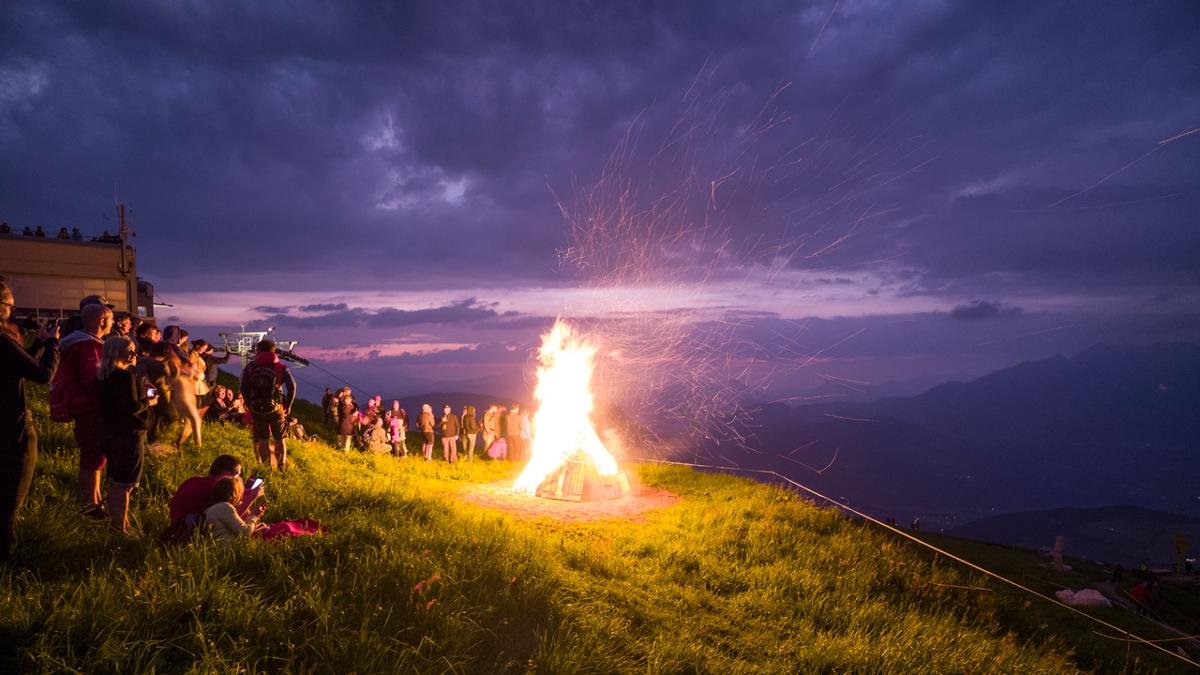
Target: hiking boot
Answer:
pixel 94 511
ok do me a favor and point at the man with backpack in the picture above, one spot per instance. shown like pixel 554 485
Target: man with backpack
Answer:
pixel 73 399
pixel 269 390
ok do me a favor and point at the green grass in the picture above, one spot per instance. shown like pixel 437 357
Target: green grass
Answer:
pixel 736 577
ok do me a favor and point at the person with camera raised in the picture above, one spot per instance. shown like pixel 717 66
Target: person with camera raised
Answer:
pixel 269 390
pixel 18 440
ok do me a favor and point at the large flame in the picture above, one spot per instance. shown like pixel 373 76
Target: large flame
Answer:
pixel 562 426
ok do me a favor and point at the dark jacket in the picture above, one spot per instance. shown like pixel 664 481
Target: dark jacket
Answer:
pixel 450 425
pixel 470 425
pixel 347 416
pixel 124 409
pixel 16 366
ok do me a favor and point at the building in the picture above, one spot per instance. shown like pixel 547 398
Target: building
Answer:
pixel 49 276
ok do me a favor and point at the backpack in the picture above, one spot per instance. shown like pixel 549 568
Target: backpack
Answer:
pixel 263 387
pixel 62 392
pixel 60 398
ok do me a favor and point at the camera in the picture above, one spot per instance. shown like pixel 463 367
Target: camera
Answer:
pixel 151 392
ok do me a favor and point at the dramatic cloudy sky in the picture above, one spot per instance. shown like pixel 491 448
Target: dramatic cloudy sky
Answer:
pixel 870 190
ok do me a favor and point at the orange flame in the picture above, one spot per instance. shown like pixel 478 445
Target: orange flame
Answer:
pixel 562 425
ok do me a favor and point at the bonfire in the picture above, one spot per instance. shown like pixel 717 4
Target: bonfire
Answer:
pixel 568 459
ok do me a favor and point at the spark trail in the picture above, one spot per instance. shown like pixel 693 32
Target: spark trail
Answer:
pixel 713 202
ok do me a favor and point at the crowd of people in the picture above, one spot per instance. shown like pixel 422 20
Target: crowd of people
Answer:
pixel 121 383
pixel 375 428
pixel 73 234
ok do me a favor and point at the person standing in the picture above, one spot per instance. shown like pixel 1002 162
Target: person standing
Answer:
pixel 270 391
pixel 402 414
pixel 450 428
pixel 526 434
pixel 327 407
pixel 125 417
pixel 159 371
pixel 425 423
pixel 470 431
pixel 147 336
pixel 212 363
pixel 491 426
pixel 396 432
pixel 18 440
pixel 512 433
pixel 73 398
pixel 188 371
pixel 346 418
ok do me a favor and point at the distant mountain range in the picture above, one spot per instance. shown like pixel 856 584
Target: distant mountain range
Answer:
pixel 1115 534
pixel 1111 425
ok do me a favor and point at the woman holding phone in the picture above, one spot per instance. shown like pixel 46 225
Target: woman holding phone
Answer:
pixel 125 405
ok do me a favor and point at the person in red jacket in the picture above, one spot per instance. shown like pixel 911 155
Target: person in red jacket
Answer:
pixel 76 383
pixel 195 494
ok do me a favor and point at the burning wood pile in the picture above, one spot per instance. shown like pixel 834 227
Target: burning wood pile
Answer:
pixel 568 460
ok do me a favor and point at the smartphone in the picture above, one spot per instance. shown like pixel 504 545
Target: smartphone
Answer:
pixel 151 392
pixel 255 483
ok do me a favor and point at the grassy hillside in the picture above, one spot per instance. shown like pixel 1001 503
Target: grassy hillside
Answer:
pixel 735 577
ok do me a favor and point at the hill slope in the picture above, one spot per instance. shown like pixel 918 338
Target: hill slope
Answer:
pixel 736 576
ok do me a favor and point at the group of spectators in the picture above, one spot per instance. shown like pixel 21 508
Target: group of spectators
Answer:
pixel 120 384
pixel 505 431
pixel 73 234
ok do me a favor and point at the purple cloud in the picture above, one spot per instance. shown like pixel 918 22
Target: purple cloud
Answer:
pixel 982 309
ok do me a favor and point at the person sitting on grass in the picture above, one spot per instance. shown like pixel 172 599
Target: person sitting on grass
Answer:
pixel 194 495
pixel 237 413
pixel 222 518
pixel 378 440
pixel 221 399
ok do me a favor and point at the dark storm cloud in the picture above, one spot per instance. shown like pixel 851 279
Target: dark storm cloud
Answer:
pixel 982 309
pixel 462 311
pixel 963 150
pixel 324 307
pixel 362 138
pixel 467 310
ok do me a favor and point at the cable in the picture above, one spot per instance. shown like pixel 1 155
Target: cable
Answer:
pixel 1016 584
pixel 339 378
pixel 1174 639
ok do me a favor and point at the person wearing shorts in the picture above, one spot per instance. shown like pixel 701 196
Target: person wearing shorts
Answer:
pixel 270 404
pixel 425 423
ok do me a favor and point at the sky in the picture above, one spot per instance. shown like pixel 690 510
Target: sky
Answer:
pixel 781 195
